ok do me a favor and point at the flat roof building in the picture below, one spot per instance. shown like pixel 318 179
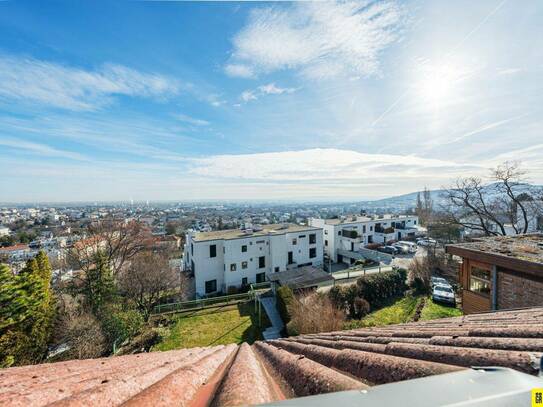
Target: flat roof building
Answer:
pixel 234 258
pixel 500 272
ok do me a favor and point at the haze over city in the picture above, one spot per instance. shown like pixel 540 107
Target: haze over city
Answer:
pixel 309 100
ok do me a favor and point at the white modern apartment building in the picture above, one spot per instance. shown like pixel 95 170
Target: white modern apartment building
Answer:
pixel 224 258
pixel 350 233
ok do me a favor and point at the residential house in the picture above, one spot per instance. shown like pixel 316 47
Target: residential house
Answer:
pixel 501 272
pixel 233 258
pixel 350 233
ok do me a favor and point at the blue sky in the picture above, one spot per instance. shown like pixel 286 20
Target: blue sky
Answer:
pixel 254 100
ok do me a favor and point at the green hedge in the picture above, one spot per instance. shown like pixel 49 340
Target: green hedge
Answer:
pixel 375 288
pixel 285 297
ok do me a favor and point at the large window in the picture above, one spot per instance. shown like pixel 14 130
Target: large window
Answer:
pixel 213 250
pixel 312 238
pixel 479 281
pixel 211 286
pixel 312 252
pixel 261 262
pixel 260 277
pixel 290 258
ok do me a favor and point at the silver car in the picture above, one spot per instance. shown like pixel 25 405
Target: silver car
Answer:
pixel 443 293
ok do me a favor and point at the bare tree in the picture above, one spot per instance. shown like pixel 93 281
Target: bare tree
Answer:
pixel 148 278
pixel 490 208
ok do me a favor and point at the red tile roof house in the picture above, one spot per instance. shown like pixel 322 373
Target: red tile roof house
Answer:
pixel 420 364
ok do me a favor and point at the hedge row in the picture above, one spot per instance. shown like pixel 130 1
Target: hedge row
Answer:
pixel 285 297
pixel 375 288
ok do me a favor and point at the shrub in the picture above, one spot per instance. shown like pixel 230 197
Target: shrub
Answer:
pixel 313 313
pixel 361 307
pixel 419 275
pixel 379 287
pixel 121 325
pixel 285 297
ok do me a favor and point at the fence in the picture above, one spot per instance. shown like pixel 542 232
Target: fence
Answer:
pixel 212 302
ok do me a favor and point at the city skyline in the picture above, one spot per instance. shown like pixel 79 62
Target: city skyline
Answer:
pixel 285 101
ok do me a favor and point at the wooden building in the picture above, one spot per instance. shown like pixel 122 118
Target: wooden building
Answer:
pixel 501 272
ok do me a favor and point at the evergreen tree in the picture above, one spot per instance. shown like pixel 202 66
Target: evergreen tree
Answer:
pixel 28 313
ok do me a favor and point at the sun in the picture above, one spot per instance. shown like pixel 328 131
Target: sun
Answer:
pixel 437 82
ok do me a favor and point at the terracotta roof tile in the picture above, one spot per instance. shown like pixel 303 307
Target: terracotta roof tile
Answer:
pixel 274 370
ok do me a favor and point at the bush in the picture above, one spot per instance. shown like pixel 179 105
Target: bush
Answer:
pixel 285 297
pixel 375 289
pixel 361 307
pixel 379 287
pixel 121 325
pixel 314 313
pixel 419 275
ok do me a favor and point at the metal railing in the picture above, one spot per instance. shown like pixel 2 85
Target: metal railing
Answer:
pixel 213 301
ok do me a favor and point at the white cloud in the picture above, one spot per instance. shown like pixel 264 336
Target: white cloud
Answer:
pixel 239 70
pixel 248 95
pixel 321 39
pixel 52 84
pixel 323 164
pixel 191 120
pixel 39 149
pixel 269 89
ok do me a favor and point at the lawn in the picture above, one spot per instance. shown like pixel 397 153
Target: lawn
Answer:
pixel 433 310
pixel 401 310
pixel 229 324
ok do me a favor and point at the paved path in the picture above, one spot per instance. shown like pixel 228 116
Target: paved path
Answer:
pixel 274 331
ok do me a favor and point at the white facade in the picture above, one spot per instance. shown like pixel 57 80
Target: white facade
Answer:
pixel 4 231
pixel 352 232
pixel 232 258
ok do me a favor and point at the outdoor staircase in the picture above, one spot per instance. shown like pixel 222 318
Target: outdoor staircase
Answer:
pixel 274 331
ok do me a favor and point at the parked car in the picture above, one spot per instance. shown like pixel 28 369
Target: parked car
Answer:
pixel 439 280
pixel 426 242
pixel 443 293
pixel 388 249
pixel 402 249
pixel 412 247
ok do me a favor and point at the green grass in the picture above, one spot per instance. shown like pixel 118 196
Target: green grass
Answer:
pixel 433 310
pixel 230 324
pixel 401 310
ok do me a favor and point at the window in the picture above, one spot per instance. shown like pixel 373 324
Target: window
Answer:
pixel 312 238
pixel 301 236
pixel 363 228
pixel 371 228
pixel 414 222
pixel 312 252
pixel 191 249
pixel 192 266
pixel 290 260
pixel 243 265
pixel 260 241
pixel 326 242
pixel 276 269
pixel 244 248
pixel 325 232
pixel 339 233
pixel 211 286
pixel 244 281
pixel 213 250
pixel 261 262
pixel 260 277
pixel 294 242
pixel 479 281
pixel 233 267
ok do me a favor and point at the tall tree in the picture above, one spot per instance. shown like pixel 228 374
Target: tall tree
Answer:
pixel 493 206
pixel 27 321
pixel 149 277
